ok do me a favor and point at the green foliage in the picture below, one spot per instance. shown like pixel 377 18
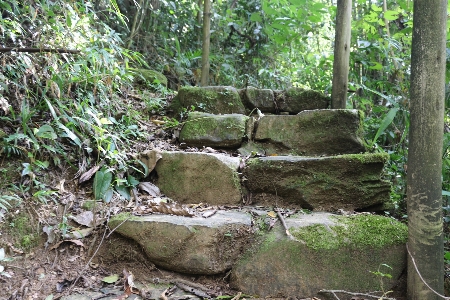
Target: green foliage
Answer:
pixel 102 184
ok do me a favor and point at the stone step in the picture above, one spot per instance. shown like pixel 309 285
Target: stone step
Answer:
pixel 349 182
pixel 326 252
pixel 227 100
pixel 312 132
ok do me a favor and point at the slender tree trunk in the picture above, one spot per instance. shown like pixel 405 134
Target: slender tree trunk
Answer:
pixel 199 21
pixel 206 39
pixel 341 54
pixel 425 239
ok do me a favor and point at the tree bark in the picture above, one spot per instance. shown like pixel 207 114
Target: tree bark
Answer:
pixel 341 54
pixel 425 238
pixel 206 40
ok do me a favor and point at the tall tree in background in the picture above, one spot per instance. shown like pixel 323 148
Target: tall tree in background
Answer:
pixel 341 54
pixel 206 40
pixel 428 59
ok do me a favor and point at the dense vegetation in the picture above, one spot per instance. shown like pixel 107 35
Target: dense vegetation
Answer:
pixel 66 107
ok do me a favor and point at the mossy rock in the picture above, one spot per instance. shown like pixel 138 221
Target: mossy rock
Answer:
pixel 313 132
pixel 295 100
pixel 149 76
pixel 211 99
pixel 209 130
pixel 349 182
pixel 328 252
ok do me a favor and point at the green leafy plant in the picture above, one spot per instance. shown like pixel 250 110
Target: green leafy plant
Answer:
pixel 381 276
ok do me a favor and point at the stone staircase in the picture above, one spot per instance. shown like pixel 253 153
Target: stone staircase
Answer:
pixel 279 214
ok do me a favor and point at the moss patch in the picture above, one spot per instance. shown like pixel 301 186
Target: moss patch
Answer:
pixel 217 100
pixel 150 76
pixel 26 236
pixel 356 231
pixel 202 129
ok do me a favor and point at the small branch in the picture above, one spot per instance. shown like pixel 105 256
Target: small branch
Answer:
pixel 353 294
pixel 38 50
pixel 285 227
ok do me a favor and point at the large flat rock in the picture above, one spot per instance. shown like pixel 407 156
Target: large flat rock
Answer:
pixel 295 100
pixel 330 252
pixel 350 181
pixel 210 99
pixel 314 132
pixel 223 131
pixel 199 177
pixel 190 245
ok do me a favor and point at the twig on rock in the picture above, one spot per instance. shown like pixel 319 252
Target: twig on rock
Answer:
pixel 286 228
pixel 333 292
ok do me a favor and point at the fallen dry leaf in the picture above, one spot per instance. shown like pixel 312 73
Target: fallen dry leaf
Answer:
pixel 150 188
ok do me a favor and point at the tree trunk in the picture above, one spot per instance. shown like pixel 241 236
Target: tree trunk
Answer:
pixel 341 54
pixel 199 21
pixel 425 238
pixel 206 38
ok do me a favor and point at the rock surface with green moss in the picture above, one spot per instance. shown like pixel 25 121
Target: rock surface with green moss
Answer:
pixel 263 99
pixel 224 131
pixel 328 252
pixel 149 76
pixel 295 100
pixel 194 245
pixel 199 177
pixel 211 99
pixel 315 132
pixel 348 182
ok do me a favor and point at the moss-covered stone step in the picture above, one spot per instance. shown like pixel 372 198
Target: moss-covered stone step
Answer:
pixel 328 251
pixel 315 132
pixel 190 245
pixel 199 177
pixel 312 132
pixel 227 100
pixel 223 131
pixel 349 182
pixel 295 100
pixel 211 99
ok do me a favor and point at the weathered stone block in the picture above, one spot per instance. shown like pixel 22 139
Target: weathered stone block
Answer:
pixel 225 131
pixel 190 245
pixel 329 252
pixel 199 177
pixel 262 99
pixel 346 182
pixel 295 100
pixel 210 99
pixel 314 132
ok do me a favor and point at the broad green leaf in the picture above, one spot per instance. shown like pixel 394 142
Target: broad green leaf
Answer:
pixel 102 182
pixel 376 66
pixel 376 8
pixel 70 134
pixel 45 131
pixel 111 279
pixel 108 195
pixel 385 123
pixel 124 191
pixel 132 181
pixel 391 15
pixel 255 17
